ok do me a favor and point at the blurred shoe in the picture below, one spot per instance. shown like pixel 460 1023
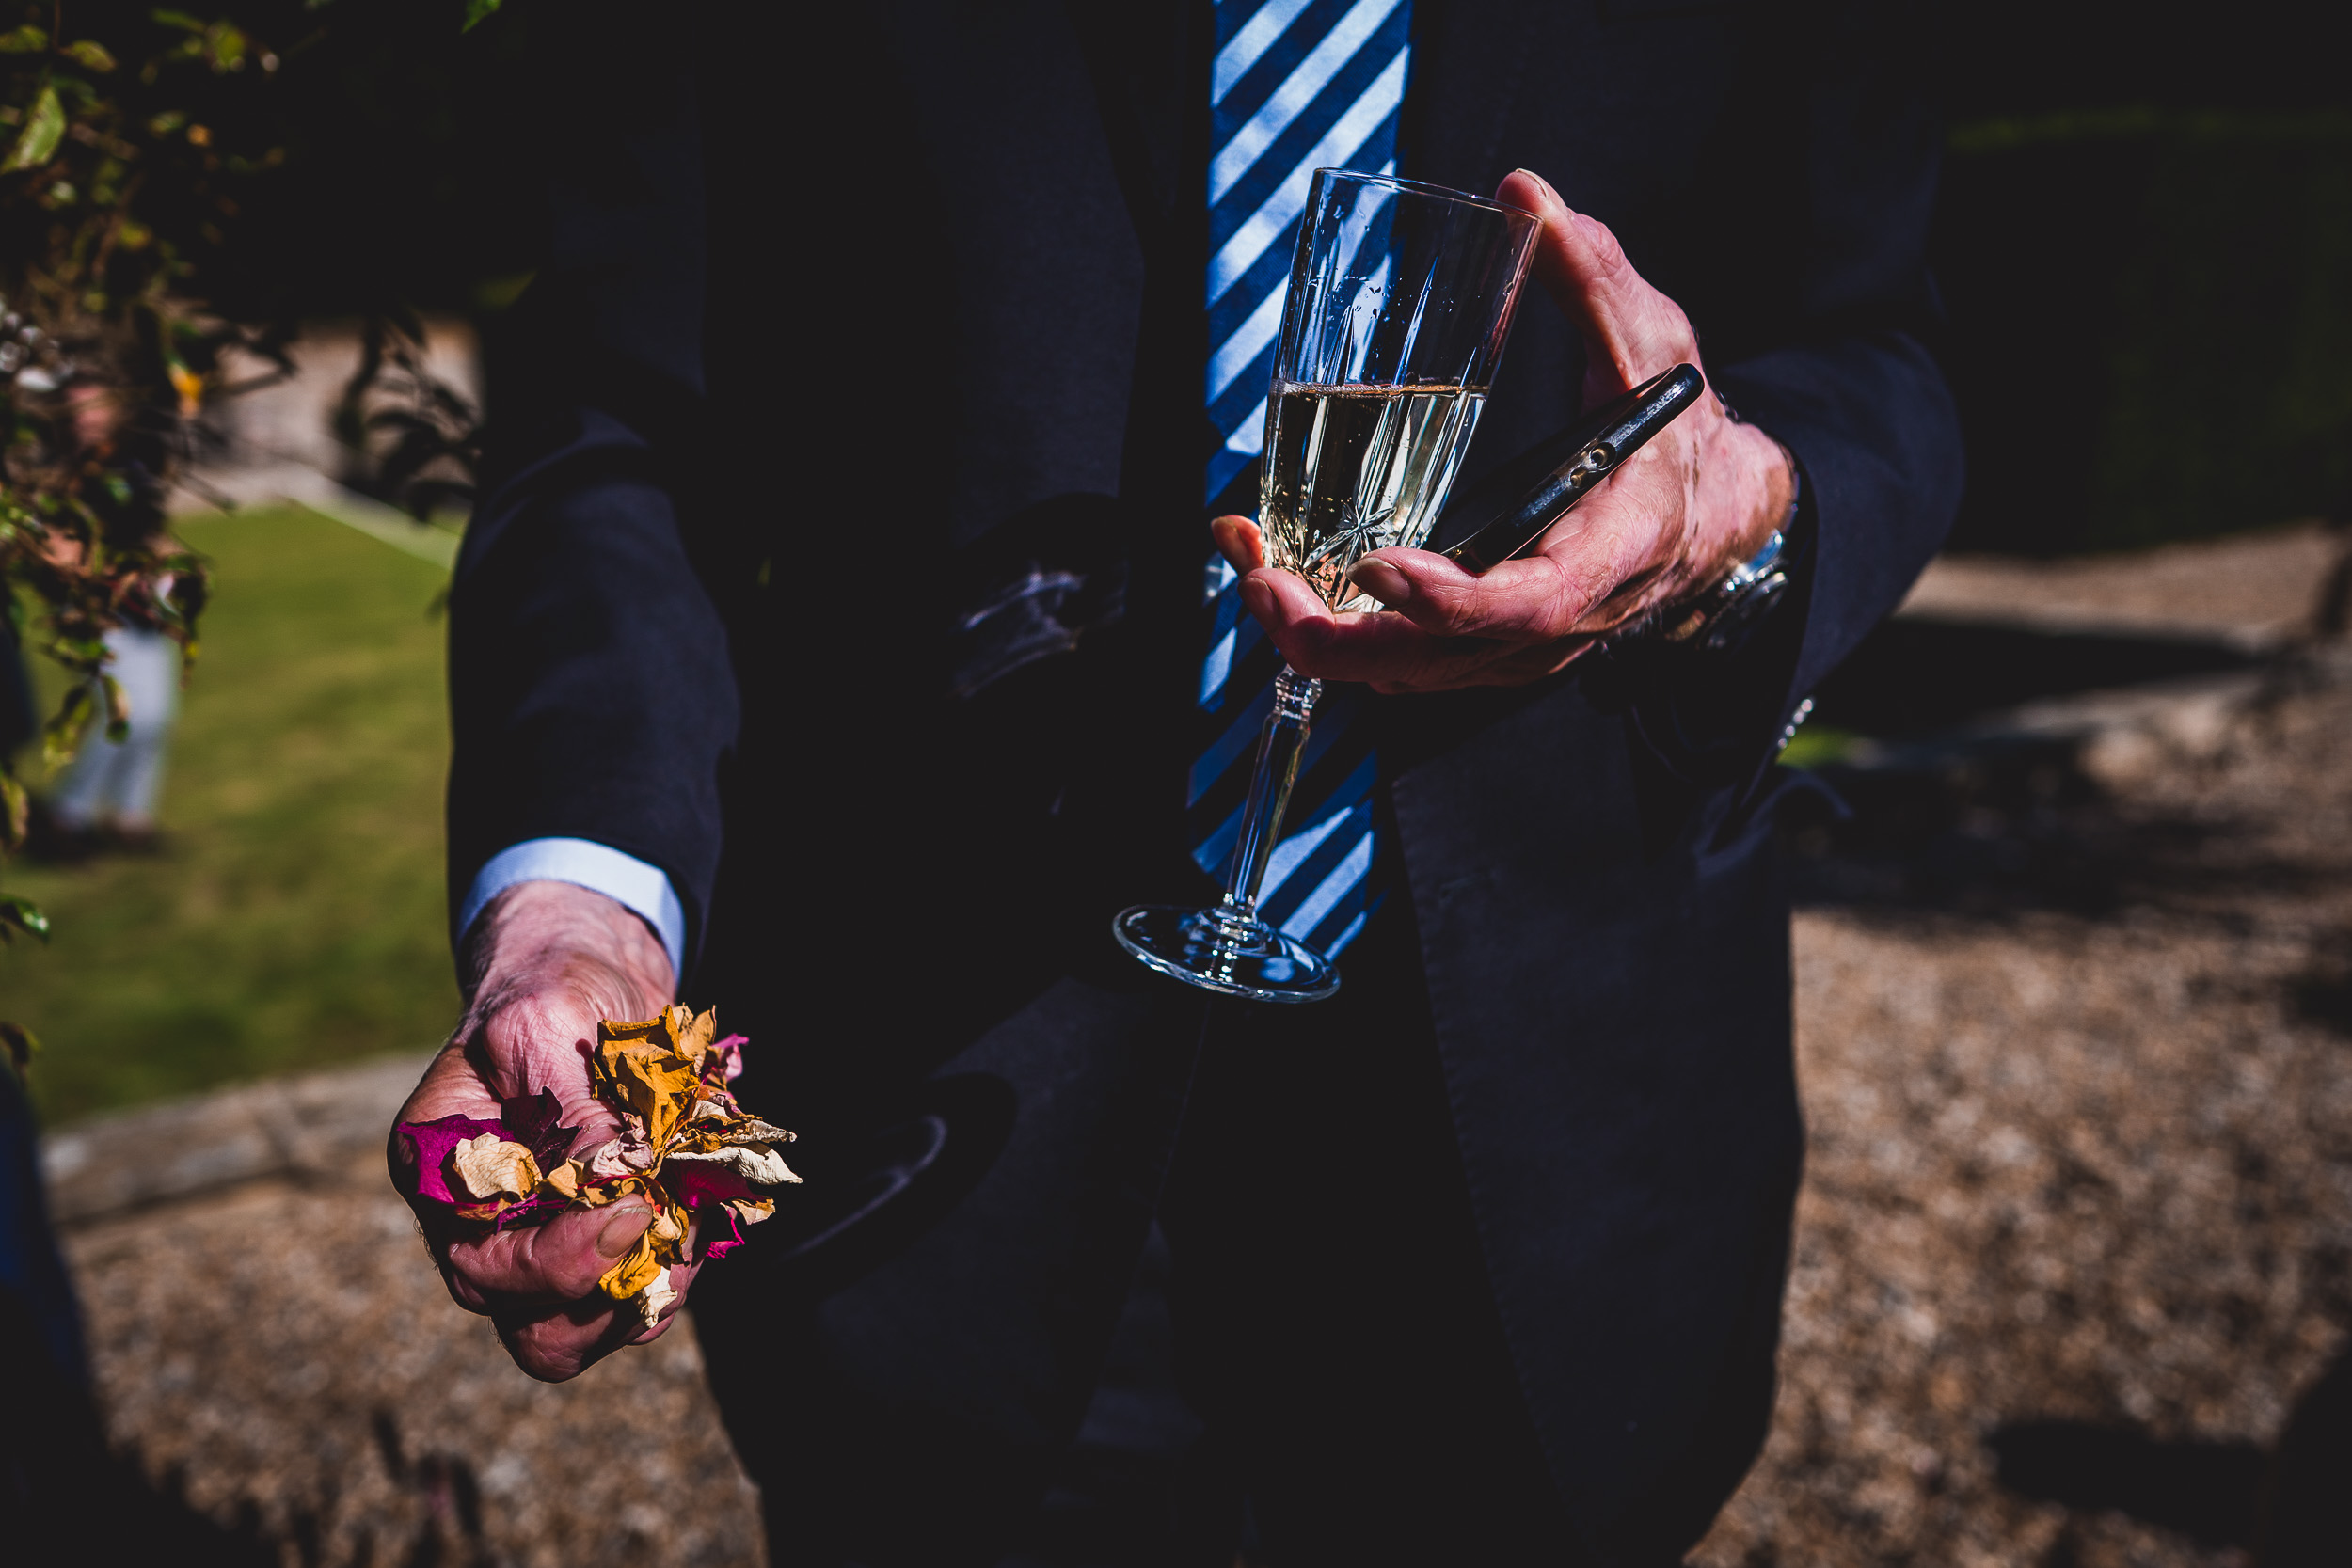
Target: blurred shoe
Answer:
pixel 54 840
pixel 133 838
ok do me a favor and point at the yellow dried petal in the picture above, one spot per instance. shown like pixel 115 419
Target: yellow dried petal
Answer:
pixel 489 1166
pixel 651 1079
pixel 564 1179
pixel 666 1228
pixel 637 1269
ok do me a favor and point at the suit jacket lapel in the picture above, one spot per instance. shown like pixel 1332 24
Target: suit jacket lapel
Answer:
pixel 1141 57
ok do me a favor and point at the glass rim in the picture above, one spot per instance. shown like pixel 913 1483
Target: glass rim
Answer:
pixel 1423 187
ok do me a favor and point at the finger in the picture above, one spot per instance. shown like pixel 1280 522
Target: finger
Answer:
pixel 1312 640
pixel 1628 326
pixel 681 1280
pixel 1536 598
pixel 681 1277
pixel 544 1264
pixel 1239 542
pixel 557 1344
pixel 1350 648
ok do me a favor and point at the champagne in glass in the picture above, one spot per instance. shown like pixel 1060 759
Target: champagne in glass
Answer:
pixel 1352 469
pixel 1399 300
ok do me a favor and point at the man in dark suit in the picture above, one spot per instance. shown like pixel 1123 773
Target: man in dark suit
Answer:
pixel 1479 1261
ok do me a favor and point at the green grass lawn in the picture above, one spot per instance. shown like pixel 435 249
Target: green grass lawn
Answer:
pixel 294 918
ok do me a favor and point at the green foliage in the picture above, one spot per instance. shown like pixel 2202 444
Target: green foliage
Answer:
pixel 138 142
pixel 2151 323
pixel 2230 360
pixel 1817 746
pixel 22 914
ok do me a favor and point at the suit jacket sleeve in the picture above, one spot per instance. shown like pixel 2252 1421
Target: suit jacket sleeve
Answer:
pixel 592 694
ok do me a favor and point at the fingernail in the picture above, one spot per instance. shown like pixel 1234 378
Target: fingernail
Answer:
pixel 1258 597
pixel 1543 182
pixel 621 1231
pixel 1382 582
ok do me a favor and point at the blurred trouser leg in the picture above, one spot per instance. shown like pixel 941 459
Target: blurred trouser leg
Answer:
pixel 51 1450
pixel 122 776
pixel 147 663
pixel 82 794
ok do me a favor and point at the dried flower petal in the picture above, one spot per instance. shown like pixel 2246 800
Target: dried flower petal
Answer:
pixel 730 1055
pixel 758 1166
pixel 656 1296
pixel 489 1166
pixel 534 1122
pixel 636 1269
pixel 625 1155
pixel 647 1077
pixel 433 1142
pixel 684 1144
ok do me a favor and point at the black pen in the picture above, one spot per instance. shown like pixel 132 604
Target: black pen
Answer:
pixel 1536 489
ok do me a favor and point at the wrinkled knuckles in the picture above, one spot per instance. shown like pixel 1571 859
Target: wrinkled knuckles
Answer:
pixel 463 1291
pixel 551 1350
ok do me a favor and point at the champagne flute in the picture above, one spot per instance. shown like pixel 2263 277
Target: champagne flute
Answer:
pixel 1400 297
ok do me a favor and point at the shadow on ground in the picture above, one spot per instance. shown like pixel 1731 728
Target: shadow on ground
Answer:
pixel 1915 675
pixel 2286 1505
pixel 1935 815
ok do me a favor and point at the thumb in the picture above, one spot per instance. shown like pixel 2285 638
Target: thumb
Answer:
pixel 560 1261
pixel 1631 331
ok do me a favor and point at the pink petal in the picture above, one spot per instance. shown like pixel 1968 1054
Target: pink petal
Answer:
pixel 695 1182
pixel 433 1142
pixel 721 1246
pixel 731 1054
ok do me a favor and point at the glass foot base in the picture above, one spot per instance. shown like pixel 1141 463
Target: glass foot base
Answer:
pixel 1234 957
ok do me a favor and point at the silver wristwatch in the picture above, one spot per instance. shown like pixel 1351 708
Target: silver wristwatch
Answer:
pixel 1719 618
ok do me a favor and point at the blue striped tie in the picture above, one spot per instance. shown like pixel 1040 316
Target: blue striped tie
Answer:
pixel 1297 86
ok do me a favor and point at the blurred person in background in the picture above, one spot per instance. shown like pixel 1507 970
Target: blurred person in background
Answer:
pixel 827 647
pixel 108 794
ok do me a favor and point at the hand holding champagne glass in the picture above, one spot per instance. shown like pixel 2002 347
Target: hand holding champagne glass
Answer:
pixel 1400 297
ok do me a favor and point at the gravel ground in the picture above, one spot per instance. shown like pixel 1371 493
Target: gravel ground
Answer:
pixel 2248 587
pixel 325 1402
pixel 2078 1205
pixel 2076 1236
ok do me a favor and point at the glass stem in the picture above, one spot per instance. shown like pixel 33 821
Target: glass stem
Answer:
pixel 1280 745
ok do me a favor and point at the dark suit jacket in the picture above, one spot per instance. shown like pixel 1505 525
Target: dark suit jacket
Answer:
pixel 846 307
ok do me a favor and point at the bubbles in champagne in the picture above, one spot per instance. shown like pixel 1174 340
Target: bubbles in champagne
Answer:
pixel 1352 469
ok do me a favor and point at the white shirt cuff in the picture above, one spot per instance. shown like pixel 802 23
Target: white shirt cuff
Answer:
pixel 583 863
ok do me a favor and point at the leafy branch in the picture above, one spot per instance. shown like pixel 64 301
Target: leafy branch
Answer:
pixel 114 187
